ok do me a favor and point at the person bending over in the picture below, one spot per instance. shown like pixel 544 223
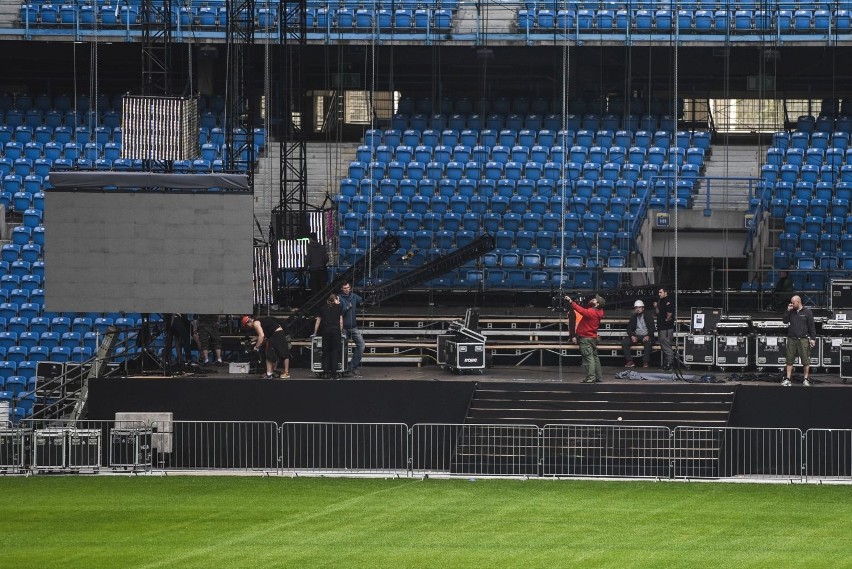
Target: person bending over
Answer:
pixel 271 335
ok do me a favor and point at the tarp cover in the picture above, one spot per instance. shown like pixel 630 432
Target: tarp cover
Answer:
pixel 98 180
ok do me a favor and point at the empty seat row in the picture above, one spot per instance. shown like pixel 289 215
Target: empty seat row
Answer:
pixel 805 174
pixel 41 136
pixel 433 173
pixel 707 21
pixel 836 136
pixel 832 224
pixel 23 268
pixel 801 208
pixel 376 162
pixel 811 156
pixel 53 119
pixel 400 192
pixel 809 190
pixel 820 259
pixel 62 324
pixel 364 19
pixel 22 343
pixel 362 214
pixel 490 223
pixel 15 198
pixel 515 278
pixel 12 252
pixel 553 122
pixel 529 137
pixel 695 4
pixel 812 242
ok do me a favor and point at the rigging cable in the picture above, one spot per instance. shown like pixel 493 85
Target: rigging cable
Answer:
pixel 562 139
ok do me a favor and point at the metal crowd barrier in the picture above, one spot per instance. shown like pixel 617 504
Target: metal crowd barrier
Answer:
pixel 364 448
pixel 497 450
pixel 828 454
pixel 763 453
pixel 215 445
pixel 424 449
pixel 608 451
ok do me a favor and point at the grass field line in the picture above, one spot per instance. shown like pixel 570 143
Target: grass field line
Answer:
pixel 172 561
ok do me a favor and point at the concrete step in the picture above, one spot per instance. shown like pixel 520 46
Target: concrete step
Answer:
pixel 327 164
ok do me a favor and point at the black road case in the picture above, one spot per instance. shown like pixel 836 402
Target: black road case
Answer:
pixel 316 355
pixel 698 350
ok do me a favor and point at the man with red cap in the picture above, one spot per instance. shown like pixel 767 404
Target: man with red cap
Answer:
pixel 270 332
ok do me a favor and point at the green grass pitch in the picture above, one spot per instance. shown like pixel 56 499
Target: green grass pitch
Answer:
pixel 211 522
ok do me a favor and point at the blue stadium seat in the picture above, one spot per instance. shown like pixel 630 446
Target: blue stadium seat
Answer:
pixel 412 221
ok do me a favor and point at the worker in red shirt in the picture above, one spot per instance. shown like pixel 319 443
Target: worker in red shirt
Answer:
pixel 587 335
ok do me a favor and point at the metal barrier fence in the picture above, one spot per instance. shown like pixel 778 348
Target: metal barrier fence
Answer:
pixel 495 450
pixel 828 454
pixel 595 450
pixel 737 453
pixel 423 449
pixel 216 445
pixel 368 448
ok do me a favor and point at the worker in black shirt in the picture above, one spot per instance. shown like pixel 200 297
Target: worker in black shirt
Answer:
pixel 329 325
pixel 665 327
pixel 801 337
pixel 316 262
pixel 270 332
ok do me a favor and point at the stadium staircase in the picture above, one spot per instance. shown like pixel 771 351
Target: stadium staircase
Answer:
pixel 327 163
pixel 501 19
pixel 586 408
pixel 540 404
pixel 730 161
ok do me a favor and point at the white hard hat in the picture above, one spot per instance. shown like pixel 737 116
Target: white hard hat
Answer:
pixel 638 303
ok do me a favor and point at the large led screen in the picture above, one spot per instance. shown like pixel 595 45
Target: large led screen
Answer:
pixel 148 251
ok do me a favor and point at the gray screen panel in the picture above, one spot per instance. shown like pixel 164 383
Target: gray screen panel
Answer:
pixel 148 252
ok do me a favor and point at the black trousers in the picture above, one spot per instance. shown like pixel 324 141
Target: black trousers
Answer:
pixel 319 279
pixel 331 342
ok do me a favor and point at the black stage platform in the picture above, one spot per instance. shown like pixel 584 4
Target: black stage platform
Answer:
pixel 429 394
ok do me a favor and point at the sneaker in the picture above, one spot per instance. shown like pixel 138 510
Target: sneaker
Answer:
pixel 806 382
pixel 220 363
pixel 786 383
pixel 268 376
pixel 629 364
pixel 591 380
pixel 356 373
pixel 285 376
pixel 645 364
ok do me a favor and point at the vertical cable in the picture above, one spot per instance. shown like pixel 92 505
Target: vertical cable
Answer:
pixel 93 85
pixel 675 109
pixel 372 111
pixel 561 140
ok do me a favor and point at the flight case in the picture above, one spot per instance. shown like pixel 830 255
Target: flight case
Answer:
pixel 316 355
pixel 732 349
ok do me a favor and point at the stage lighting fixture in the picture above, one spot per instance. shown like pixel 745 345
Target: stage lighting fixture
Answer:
pixel 159 128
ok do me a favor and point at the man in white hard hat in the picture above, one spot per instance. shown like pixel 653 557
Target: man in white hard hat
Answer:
pixel 640 330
